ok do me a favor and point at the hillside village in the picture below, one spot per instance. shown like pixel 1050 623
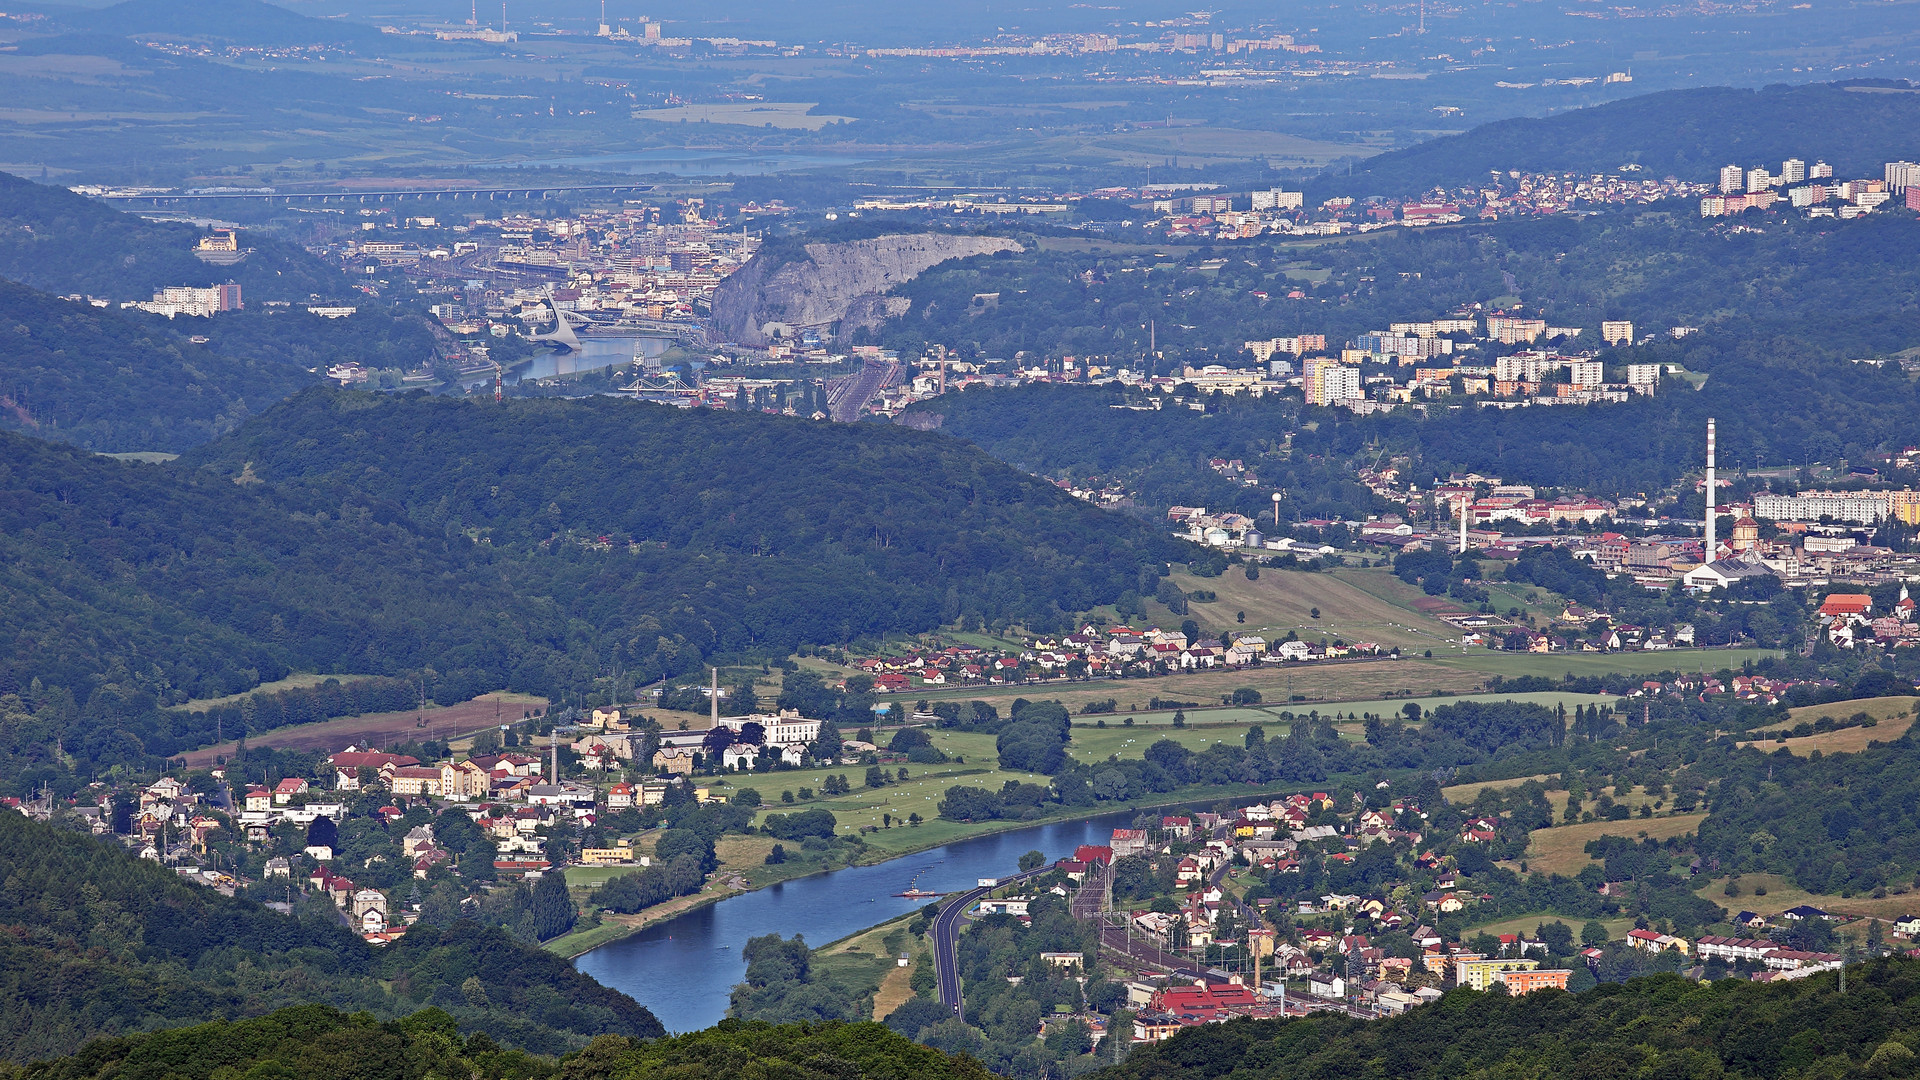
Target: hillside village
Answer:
pixel 1245 895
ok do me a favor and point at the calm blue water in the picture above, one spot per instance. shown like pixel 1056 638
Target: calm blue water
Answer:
pixel 595 353
pixel 684 969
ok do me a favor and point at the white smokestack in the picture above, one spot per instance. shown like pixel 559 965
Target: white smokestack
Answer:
pixel 1711 546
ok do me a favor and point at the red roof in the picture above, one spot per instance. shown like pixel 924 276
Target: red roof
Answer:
pixel 1093 853
pixel 1186 999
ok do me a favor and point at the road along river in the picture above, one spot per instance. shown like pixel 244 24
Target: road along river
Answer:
pixel 684 969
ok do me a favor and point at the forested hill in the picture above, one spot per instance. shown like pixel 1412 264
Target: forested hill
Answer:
pixel 322 1043
pixel 1658 1026
pixel 536 545
pixel 864 525
pixel 60 242
pixel 114 382
pixel 1684 133
pixel 95 942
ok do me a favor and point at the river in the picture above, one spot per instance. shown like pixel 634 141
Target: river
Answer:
pixel 594 353
pixel 685 969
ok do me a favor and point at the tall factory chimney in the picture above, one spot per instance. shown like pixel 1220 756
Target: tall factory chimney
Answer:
pixel 1710 492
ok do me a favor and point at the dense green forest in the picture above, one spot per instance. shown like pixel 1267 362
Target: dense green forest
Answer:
pixel 538 545
pixel 1684 133
pixel 95 942
pixel 129 587
pixel 1844 822
pixel 323 1042
pixel 713 531
pixel 114 381
pixel 1660 1025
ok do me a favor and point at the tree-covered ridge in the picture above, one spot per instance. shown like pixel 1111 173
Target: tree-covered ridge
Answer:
pixel 300 1040
pixel 114 381
pixel 739 1048
pixel 763 531
pixel 1684 133
pixel 322 1042
pixel 94 941
pixel 610 534
pixel 127 587
pixel 58 242
pixel 1657 1026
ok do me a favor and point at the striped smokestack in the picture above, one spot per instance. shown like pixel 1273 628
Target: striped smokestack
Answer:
pixel 1710 492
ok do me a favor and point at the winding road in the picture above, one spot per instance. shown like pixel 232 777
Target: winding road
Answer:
pixel 946 937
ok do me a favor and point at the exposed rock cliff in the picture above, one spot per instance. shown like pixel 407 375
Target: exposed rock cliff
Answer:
pixel 842 283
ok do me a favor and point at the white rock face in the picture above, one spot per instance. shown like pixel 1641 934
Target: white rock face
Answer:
pixel 844 283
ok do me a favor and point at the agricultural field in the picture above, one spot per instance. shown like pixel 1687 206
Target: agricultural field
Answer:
pixel 378 729
pixel 291 682
pixel 1562 849
pixel 1459 793
pixel 1312 684
pixel 1353 605
pixel 1895 716
pixel 1208 726
pixel 794 115
pixel 920 793
pixel 1770 894
pixel 1557 665
pixel 1527 924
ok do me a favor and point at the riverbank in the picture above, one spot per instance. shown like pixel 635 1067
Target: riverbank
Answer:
pixel 702 950
pixel 929 836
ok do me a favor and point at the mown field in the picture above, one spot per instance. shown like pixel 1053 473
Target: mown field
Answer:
pixel 1353 605
pixel 1895 715
pixel 1562 849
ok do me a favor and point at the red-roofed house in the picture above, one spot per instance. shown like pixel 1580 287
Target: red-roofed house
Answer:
pixel 1846 606
pixel 1094 853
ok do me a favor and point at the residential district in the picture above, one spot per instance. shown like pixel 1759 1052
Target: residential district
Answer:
pixel 1360 901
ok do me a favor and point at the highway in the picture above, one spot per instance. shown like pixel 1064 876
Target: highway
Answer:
pixel 946 938
pixel 519 191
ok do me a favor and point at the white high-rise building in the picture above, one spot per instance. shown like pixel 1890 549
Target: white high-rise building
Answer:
pixel 1616 332
pixel 1329 383
pixel 1902 175
pixel 1277 199
pixel 1820 171
pixel 1793 171
pixel 1733 180
pixel 1758 180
